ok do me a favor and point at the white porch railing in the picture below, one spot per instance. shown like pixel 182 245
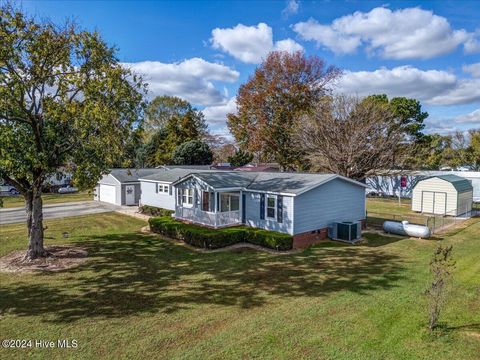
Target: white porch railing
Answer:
pixel 218 219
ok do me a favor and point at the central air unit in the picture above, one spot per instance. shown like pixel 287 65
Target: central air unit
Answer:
pixel 345 231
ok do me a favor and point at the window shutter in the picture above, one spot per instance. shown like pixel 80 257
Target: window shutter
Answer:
pixel 280 208
pixel 170 190
pixel 156 188
pixel 262 206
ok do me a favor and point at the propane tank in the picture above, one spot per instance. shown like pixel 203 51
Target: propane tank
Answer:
pixel 405 228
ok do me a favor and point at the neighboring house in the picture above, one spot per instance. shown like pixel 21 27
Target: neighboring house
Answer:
pixel 121 186
pixel 443 195
pixel 389 184
pixel 303 205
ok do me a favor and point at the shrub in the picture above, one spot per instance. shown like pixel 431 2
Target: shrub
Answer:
pixel 271 239
pixel 203 237
pixel 441 266
pixel 155 211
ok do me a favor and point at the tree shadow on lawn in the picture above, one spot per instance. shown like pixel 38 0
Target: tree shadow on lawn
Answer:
pixel 136 273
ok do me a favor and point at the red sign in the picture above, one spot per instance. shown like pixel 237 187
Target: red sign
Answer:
pixel 403 181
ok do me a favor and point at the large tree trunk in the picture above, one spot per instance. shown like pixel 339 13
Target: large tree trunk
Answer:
pixel 28 196
pixel 34 207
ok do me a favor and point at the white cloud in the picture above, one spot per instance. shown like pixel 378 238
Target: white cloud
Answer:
pixel 291 8
pixel 250 44
pixel 217 115
pixel 472 69
pixel 433 87
pixel 410 33
pixel 190 79
pixel 470 118
pixel 288 45
pixel 324 35
pixel 466 91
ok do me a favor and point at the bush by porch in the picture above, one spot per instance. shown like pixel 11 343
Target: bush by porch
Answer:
pixel 199 236
pixel 155 211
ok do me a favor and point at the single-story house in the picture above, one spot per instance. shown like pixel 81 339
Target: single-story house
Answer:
pixel 443 195
pixel 303 205
pixel 121 186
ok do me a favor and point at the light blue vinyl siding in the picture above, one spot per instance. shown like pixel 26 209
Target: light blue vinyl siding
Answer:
pixel 252 214
pixel 337 200
pixel 151 198
pixel 137 192
pixel 198 186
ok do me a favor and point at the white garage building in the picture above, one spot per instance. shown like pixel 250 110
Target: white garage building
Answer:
pixel 121 186
pixel 443 195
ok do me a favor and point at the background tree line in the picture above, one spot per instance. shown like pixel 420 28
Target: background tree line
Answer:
pixel 287 112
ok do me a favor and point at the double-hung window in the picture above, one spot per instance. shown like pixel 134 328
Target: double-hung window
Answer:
pixel 162 189
pixel 185 196
pixel 271 205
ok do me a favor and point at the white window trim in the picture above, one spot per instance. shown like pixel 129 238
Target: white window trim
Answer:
pixel 184 193
pixel 230 195
pixel 274 207
pixel 209 201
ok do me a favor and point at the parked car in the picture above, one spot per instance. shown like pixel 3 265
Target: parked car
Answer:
pixel 67 189
pixel 9 189
pixel 374 193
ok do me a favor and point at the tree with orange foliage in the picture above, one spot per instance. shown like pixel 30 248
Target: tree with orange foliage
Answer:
pixel 283 88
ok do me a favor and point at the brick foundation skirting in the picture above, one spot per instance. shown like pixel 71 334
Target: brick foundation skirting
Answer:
pixel 306 239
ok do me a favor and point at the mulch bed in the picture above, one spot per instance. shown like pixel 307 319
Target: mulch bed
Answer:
pixel 61 257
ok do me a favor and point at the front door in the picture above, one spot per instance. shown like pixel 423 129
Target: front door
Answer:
pixel 206 201
pixel 130 195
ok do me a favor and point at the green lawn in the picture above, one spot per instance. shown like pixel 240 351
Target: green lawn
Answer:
pixel 389 205
pixel 143 297
pixel 381 209
pixel 17 201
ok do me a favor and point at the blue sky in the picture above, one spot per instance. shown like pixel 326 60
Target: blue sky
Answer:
pixel 202 51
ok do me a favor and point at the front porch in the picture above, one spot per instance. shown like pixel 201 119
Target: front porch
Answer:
pixel 209 208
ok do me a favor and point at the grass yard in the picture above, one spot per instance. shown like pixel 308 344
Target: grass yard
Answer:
pixel 54 198
pixel 381 209
pixel 143 297
pixel 389 205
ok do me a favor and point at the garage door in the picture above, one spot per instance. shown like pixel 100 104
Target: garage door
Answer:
pixel 107 193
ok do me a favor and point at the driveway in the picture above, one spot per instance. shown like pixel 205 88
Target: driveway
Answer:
pixel 17 215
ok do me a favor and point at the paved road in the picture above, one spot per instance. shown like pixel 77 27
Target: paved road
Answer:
pixel 17 215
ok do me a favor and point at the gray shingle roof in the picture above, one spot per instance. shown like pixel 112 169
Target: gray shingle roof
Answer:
pixel 226 179
pixel 169 175
pixel 459 183
pixel 290 183
pixel 131 175
pixel 191 167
